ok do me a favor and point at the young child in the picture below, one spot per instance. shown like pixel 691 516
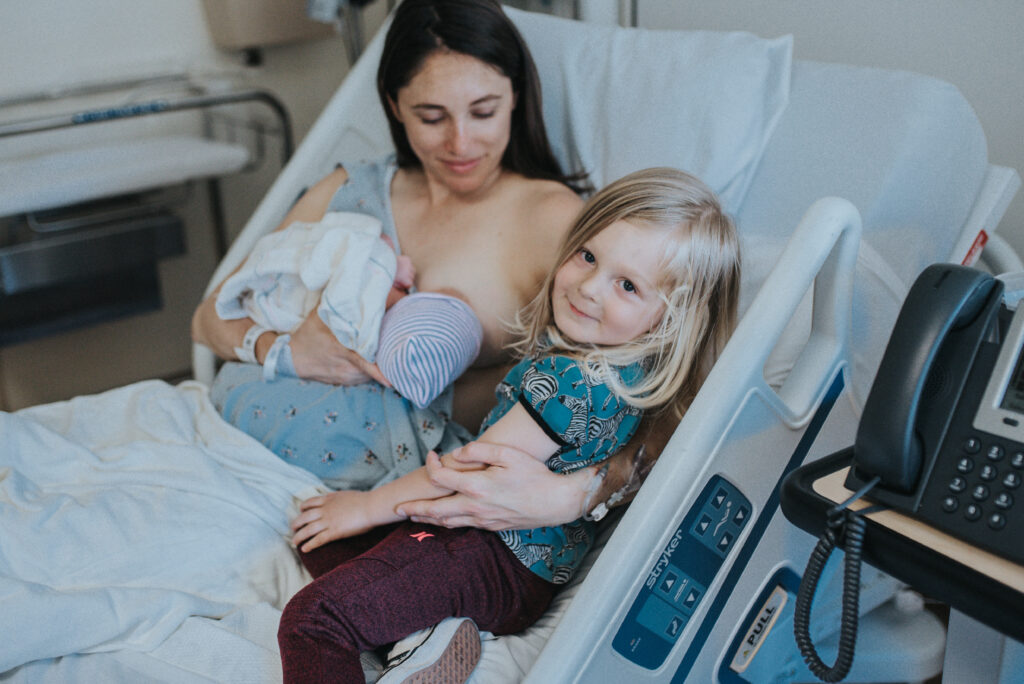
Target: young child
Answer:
pixel 632 319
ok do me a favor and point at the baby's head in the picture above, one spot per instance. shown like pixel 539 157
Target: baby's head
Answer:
pixel 649 273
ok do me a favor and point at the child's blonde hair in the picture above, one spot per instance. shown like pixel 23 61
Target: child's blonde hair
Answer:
pixel 699 286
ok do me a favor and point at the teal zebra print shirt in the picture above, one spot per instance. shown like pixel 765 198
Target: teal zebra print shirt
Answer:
pixel 589 422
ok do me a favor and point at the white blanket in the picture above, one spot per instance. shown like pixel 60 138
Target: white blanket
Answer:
pixel 339 265
pixel 142 538
pixel 126 515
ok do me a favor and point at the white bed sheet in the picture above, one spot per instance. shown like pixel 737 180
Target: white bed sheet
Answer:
pixel 136 520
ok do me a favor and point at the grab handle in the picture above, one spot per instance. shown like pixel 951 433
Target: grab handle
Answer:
pixel 822 252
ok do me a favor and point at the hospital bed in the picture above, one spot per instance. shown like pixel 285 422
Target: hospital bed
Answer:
pixel 143 539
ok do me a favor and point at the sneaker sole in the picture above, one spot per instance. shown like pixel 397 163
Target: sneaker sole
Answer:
pixel 457 661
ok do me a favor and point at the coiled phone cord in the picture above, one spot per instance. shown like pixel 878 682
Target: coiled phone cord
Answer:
pixel 852 526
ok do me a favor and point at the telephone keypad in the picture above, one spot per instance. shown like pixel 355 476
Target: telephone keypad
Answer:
pixel 983 485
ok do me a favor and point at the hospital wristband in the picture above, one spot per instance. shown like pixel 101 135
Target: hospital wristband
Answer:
pixel 274 355
pixel 247 352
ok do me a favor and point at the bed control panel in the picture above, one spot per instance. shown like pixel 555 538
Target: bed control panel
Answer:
pixel 684 570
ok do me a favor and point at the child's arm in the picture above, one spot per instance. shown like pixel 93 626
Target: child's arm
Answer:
pixel 347 513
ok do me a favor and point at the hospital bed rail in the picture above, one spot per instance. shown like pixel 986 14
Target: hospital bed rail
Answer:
pixel 197 98
pixel 158 106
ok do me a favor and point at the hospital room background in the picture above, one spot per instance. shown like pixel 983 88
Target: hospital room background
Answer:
pixel 51 48
pixel 138 138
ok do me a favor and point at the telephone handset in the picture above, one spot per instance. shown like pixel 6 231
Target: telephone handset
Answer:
pixel 944 318
pixel 943 424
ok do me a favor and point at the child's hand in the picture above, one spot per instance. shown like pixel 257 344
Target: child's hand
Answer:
pixel 333 516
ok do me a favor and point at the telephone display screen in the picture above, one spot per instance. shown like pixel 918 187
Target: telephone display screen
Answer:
pixel 1013 397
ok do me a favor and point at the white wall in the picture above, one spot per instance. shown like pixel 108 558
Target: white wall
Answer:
pixel 50 42
pixel 975 45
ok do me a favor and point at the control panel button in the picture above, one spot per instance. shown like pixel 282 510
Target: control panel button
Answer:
pixel 1011 481
pixel 988 472
pixel 1003 500
pixel 965 465
pixel 950 504
pixel 719 498
pixel 995 453
pixel 742 513
pixel 1017 460
pixel 972 445
pixel 980 492
pixel 957 484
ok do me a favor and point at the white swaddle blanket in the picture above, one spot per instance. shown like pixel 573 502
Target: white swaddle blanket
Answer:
pixel 339 265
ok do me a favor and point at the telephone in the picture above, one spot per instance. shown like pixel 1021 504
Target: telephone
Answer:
pixel 943 424
pixel 941 437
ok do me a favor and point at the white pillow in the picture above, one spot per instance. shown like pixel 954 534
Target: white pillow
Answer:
pixel 620 99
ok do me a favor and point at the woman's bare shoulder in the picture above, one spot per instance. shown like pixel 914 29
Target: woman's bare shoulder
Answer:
pixel 551 203
pixel 546 211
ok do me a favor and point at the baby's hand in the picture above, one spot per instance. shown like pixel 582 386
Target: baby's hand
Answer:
pixel 405 274
pixel 405 271
pixel 333 516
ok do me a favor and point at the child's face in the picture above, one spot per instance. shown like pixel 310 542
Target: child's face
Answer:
pixel 607 293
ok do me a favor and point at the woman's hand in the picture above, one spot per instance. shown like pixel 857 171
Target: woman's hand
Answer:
pixel 514 491
pixel 332 516
pixel 317 355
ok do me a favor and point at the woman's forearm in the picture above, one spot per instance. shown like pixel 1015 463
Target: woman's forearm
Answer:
pixel 628 468
pixel 223 336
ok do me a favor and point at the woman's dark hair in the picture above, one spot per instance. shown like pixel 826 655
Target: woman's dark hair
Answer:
pixel 480 29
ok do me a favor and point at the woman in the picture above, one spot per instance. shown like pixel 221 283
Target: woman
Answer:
pixel 477 200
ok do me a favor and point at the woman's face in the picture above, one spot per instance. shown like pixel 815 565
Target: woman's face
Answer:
pixel 457 113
